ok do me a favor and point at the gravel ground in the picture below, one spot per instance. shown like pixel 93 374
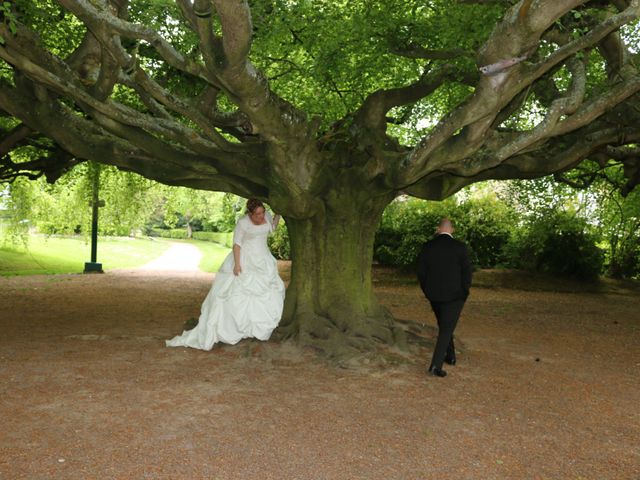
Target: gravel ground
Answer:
pixel 546 387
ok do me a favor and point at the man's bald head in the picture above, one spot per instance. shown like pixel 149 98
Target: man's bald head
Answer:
pixel 445 226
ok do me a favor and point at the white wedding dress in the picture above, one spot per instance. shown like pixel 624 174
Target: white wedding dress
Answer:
pixel 242 306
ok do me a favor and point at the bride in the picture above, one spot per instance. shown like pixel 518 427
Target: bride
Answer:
pixel 247 294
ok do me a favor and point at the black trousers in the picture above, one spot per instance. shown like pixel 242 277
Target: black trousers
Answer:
pixel 447 314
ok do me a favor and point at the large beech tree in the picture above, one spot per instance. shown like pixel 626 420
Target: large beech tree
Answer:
pixel 325 109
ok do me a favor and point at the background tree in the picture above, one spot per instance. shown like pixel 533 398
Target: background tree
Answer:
pixel 317 108
pixel 131 202
pixel 619 223
pixel 212 212
pixel 617 216
pixel 586 202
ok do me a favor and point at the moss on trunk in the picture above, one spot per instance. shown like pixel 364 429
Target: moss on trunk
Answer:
pixel 330 304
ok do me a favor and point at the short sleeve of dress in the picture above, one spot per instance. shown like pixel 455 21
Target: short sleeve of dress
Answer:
pixel 239 232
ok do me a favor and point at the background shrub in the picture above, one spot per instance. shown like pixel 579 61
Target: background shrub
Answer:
pixel 627 263
pixel 223 238
pixel 279 242
pixel 558 242
pixel 406 224
pixel 176 233
pixel 485 225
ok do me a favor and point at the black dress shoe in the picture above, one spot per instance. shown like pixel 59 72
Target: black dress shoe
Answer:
pixel 450 360
pixel 437 372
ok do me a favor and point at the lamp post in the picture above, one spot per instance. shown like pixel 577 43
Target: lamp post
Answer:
pixel 93 266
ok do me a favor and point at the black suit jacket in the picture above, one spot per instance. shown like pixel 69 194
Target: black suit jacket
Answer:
pixel 444 269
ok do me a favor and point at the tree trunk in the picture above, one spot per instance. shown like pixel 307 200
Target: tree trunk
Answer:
pixel 330 303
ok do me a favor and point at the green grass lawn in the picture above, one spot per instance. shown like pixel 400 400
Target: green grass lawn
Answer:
pixel 213 254
pixel 50 255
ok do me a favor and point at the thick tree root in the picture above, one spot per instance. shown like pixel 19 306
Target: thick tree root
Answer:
pixel 379 344
pixel 378 340
pixel 418 333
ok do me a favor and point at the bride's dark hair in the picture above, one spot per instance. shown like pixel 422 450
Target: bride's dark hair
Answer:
pixel 252 204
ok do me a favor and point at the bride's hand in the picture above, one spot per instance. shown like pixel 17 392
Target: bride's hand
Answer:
pixel 237 270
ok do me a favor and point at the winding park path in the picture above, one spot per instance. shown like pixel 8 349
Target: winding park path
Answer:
pixel 546 386
pixel 180 257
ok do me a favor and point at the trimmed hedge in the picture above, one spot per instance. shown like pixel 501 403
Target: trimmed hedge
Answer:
pixel 278 241
pixel 176 233
pixel 223 238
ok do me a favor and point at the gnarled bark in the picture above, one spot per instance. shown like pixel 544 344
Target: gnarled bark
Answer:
pixel 330 303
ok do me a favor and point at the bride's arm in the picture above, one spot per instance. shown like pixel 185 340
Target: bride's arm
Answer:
pixel 237 269
pixel 275 221
pixel 272 219
pixel 238 237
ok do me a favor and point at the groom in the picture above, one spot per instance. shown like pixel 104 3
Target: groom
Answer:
pixel 444 271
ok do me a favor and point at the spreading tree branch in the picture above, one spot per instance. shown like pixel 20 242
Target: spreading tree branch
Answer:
pixel 466 129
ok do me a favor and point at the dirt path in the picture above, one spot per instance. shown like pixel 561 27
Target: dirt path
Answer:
pixel 547 387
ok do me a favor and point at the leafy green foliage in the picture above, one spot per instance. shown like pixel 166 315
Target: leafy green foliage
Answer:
pixel 540 197
pixel 560 243
pixel 64 208
pixel 538 226
pixel 405 226
pixel 60 31
pixel 16 203
pixel 132 205
pixel 200 210
pixel 618 224
pixel 326 56
pixel 223 238
pixel 173 233
pixel 279 242
pixel 484 224
pixel 612 218
pixel 7 16
pixel 554 234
